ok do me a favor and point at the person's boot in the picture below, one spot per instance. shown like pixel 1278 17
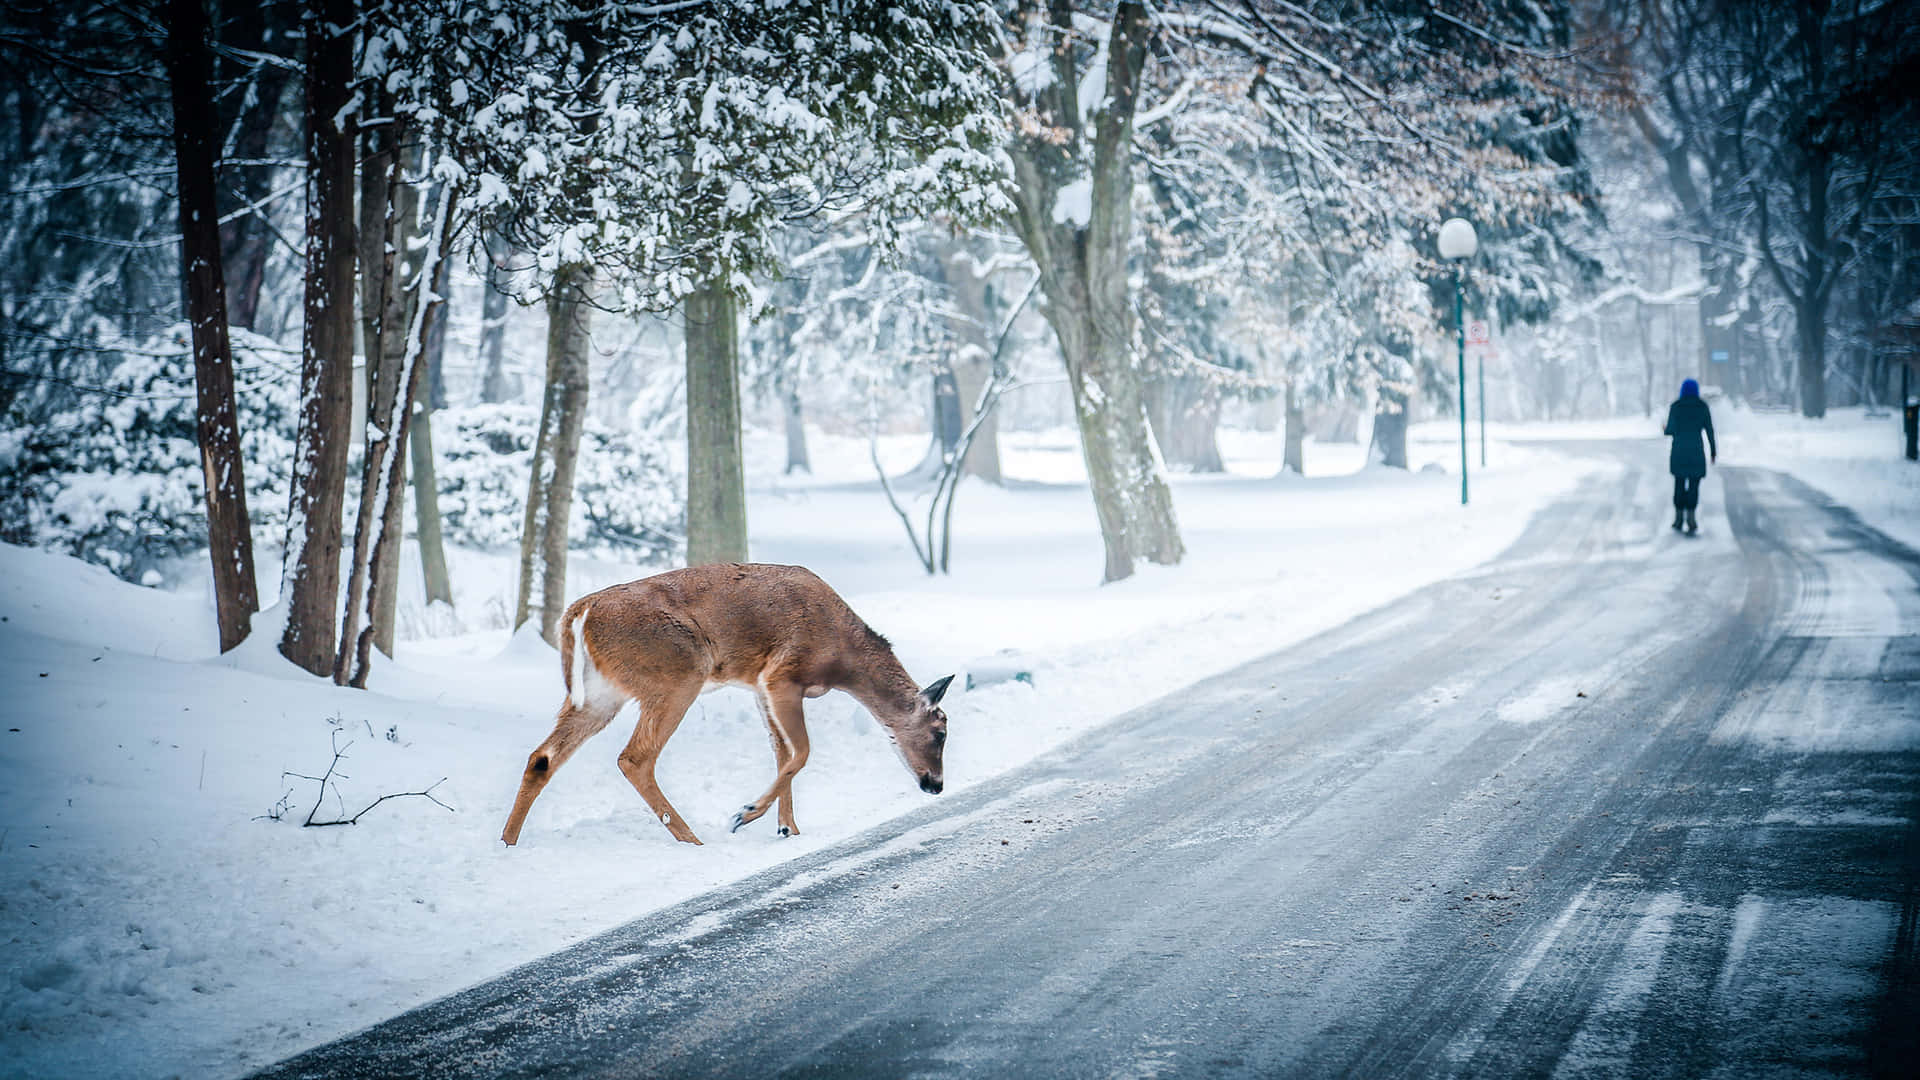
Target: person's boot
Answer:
pixel 1679 519
pixel 1693 526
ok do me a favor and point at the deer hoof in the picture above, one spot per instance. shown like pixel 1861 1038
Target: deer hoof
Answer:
pixel 738 819
pixel 785 832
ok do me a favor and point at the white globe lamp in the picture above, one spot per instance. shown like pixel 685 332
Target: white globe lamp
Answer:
pixel 1457 240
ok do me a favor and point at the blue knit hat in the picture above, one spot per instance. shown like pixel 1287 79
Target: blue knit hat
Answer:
pixel 1689 389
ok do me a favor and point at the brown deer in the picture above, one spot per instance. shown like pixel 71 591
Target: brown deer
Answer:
pixel 778 630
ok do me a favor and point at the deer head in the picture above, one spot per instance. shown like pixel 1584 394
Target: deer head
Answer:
pixel 921 736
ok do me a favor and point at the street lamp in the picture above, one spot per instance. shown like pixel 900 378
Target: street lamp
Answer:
pixel 1458 243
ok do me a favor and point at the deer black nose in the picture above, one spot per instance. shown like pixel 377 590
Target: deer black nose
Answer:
pixel 930 785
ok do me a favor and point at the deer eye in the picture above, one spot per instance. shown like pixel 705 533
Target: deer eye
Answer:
pixel 939 736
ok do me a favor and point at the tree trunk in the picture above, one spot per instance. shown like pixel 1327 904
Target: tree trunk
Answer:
pixel 426 510
pixel 1186 418
pixel 311 570
pixel 384 584
pixel 563 413
pixel 1295 458
pixel 1640 320
pixel 973 364
pixel 246 240
pixel 384 559
pixel 1811 330
pixel 947 417
pixel 1390 429
pixel 229 533
pixel 376 240
pixel 433 394
pixel 495 386
pixel 1130 492
pixel 796 432
pixel 1083 275
pixel 424 374
pixel 426 486
pixel 971 369
pixel 385 299
pixel 716 478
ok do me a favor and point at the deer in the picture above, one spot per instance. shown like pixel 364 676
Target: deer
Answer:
pixel 778 630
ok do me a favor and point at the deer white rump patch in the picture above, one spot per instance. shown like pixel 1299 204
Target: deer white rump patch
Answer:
pixel 577 688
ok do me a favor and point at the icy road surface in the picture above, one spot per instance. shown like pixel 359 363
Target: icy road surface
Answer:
pixel 1621 804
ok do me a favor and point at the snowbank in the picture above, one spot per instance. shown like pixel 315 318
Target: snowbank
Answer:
pixel 1857 460
pixel 165 914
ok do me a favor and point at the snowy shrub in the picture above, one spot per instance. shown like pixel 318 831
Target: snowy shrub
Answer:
pixel 624 496
pixel 113 476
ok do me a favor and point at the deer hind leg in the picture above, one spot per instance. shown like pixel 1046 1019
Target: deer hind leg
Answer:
pixel 576 724
pixel 787 723
pixel 660 715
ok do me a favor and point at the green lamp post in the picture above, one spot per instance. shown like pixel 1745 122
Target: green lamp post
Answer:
pixel 1457 244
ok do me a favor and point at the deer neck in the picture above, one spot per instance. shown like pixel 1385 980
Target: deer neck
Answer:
pixel 880 683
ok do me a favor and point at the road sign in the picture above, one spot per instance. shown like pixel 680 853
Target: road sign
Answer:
pixel 1719 356
pixel 1477 333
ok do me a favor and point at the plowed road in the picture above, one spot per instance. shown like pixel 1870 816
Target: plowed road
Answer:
pixel 1622 803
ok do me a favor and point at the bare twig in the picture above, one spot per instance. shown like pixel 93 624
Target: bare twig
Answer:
pixel 326 784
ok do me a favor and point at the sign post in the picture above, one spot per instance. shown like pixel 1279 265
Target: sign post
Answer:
pixel 1477 334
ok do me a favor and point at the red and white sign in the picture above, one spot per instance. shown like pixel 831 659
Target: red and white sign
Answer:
pixel 1477 333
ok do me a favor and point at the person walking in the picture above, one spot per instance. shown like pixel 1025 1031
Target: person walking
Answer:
pixel 1687 419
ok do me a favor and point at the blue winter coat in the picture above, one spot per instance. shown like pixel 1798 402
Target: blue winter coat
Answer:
pixel 1687 419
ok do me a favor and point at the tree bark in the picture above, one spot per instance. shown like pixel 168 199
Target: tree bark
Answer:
pixel 716 476
pixel 229 533
pixel 389 210
pixel 797 460
pixel 1295 456
pixel 1811 329
pixel 384 559
pixel 947 421
pixel 377 225
pixel 311 570
pixel 563 414
pixel 495 386
pixel 1185 415
pixel 423 372
pixel 973 364
pixel 426 485
pixel 1390 429
pixel 1083 276
pixel 426 510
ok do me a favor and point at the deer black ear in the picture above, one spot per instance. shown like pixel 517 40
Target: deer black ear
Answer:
pixel 936 690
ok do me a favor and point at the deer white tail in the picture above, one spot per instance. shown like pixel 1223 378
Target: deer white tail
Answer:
pixel 577 680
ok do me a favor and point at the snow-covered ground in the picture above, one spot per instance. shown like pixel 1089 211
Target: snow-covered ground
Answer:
pixel 1854 458
pixel 156 919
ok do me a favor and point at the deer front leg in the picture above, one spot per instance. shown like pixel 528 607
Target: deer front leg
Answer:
pixel 787 723
pixel 781 754
pixel 575 725
pixel 659 717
